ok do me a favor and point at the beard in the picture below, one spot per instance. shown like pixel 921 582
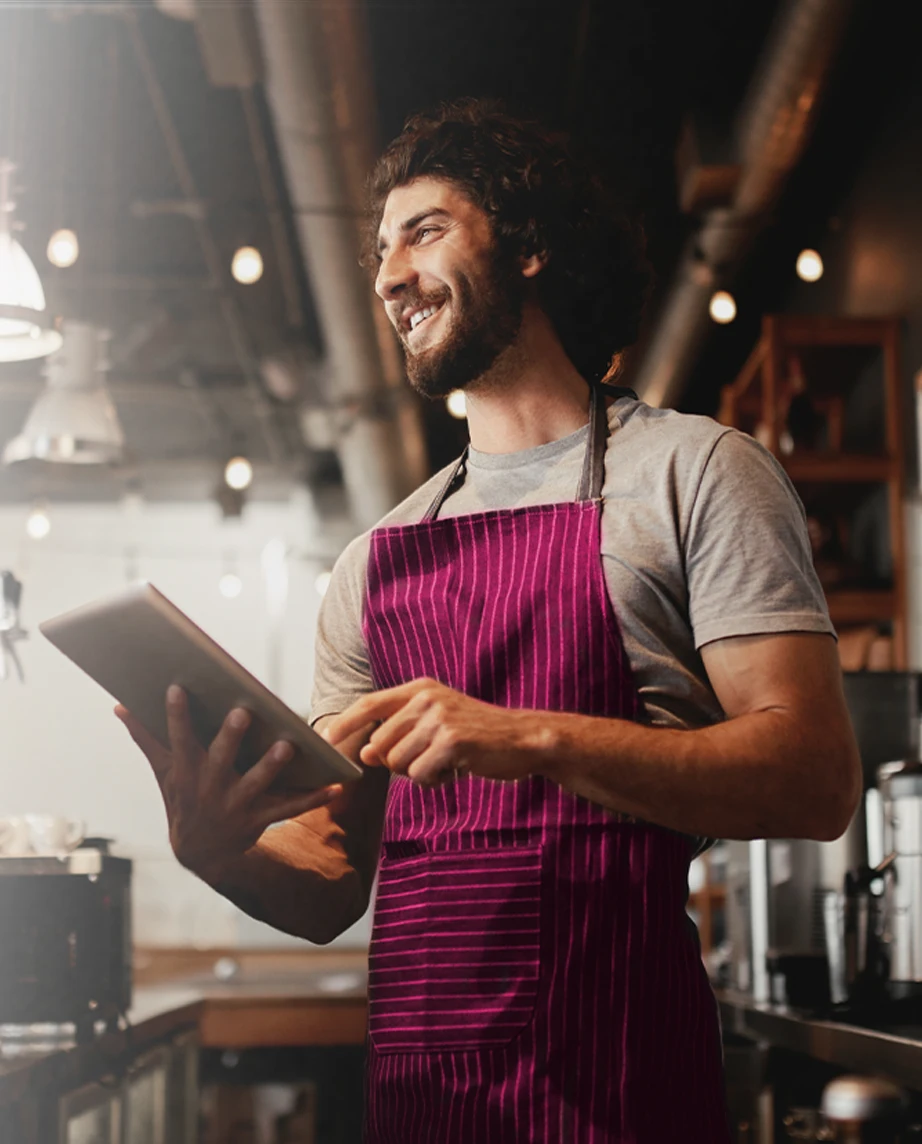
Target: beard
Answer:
pixel 486 319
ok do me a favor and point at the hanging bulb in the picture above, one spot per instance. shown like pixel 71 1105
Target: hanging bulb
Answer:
pixel 230 585
pixel 722 307
pixel 809 266
pixel 247 265
pixel 26 330
pixel 238 473
pixel 63 248
pixel 456 403
pixel 38 525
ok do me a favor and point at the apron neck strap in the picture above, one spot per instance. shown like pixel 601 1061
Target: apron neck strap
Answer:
pixel 593 474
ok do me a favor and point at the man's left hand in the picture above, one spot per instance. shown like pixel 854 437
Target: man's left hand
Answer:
pixel 428 732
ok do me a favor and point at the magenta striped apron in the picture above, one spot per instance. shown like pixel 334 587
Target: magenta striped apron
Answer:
pixel 533 975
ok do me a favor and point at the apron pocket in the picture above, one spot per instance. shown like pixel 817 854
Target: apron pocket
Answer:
pixel 454 953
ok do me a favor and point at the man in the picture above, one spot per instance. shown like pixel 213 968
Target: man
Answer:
pixel 589 646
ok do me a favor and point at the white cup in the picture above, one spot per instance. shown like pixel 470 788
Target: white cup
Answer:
pixel 15 837
pixel 54 833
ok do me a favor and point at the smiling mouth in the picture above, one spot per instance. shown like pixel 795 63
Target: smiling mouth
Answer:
pixel 422 316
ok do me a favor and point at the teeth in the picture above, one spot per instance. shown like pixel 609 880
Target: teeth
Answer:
pixel 421 316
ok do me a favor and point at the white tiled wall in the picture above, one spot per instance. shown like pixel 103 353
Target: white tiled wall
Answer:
pixel 63 751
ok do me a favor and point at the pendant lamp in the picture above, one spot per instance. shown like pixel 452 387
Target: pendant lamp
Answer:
pixel 73 421
pixel 26 331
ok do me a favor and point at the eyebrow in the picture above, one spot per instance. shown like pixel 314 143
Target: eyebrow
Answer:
pixel 412 223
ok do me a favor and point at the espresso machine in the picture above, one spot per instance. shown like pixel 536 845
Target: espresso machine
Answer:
pixel 65 938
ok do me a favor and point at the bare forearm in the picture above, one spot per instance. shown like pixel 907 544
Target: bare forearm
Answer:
pixel 763 774
pixel 312 876
pixel 294 883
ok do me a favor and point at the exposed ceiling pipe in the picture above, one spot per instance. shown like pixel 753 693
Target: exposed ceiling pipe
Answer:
pixel 318 128
pixel 275 439
pixel 771 132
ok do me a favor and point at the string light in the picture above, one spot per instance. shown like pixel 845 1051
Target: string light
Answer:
pixel 809 266
pixel 38 524
pixel 722 307
pixel 238 473
pixel 247 265
pixel 63 248
pixel 230 585
pixel 457 404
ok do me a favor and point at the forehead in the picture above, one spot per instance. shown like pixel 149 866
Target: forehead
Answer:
pixel 424 194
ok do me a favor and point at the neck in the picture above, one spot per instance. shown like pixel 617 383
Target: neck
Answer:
pixel 532 395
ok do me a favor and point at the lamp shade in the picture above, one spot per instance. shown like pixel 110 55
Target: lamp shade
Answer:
pixel 25 332
pixel 73 421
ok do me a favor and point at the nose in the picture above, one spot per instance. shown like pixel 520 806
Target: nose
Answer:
pixel 395 275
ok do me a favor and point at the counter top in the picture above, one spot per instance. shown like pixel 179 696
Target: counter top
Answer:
pixel 318 1000
pixel 892 1051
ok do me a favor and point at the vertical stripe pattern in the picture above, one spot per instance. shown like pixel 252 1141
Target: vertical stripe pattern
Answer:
pixel 533 974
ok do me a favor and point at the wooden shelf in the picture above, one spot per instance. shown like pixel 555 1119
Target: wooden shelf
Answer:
pixel 838 467
pixel 870 607
pixel 759 400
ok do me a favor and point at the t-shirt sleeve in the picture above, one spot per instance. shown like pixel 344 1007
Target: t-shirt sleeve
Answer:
pixel 748 561
pixel 341 670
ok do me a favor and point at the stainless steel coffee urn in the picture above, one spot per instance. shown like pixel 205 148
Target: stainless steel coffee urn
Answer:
pixel 900 787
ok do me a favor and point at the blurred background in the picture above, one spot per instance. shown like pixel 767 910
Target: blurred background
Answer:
pixel 186 180
pixel 197 387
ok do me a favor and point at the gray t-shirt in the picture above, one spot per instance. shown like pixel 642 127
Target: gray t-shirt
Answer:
pixel 703 537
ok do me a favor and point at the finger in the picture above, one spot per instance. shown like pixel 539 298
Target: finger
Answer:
pixel 398 726
pixel 433 767
pixel 260 777
pixel 225 746
pixel 184 744
pixel 155 752
pixel 278 808
pixel 400 754
pixel 373 708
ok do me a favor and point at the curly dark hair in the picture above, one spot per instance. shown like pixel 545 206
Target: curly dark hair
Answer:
pixel 541 196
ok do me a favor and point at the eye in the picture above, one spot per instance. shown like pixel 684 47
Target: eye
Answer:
pixel 425 230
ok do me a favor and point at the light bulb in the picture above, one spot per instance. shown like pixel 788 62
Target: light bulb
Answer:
pixel 63 248
pixel 809 266
pixel 322 583
pixel 230 585
pixel 247 265
pixel 238 473
pixel 37 524
pixel 723 307
pixel 457 404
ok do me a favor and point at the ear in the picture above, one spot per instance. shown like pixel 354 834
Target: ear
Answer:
pixel 532 264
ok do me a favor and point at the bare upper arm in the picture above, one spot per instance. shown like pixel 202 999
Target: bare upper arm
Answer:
pixel 795 671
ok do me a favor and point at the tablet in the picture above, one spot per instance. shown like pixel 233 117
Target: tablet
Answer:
pixel 137 643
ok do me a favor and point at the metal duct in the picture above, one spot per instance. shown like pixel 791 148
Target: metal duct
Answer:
pixel 771 131
pixel 381 447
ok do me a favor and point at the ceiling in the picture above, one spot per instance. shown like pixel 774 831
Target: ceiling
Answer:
pixel 79 90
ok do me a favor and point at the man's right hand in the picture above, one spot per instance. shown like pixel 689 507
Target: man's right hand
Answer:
pixel 214 813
